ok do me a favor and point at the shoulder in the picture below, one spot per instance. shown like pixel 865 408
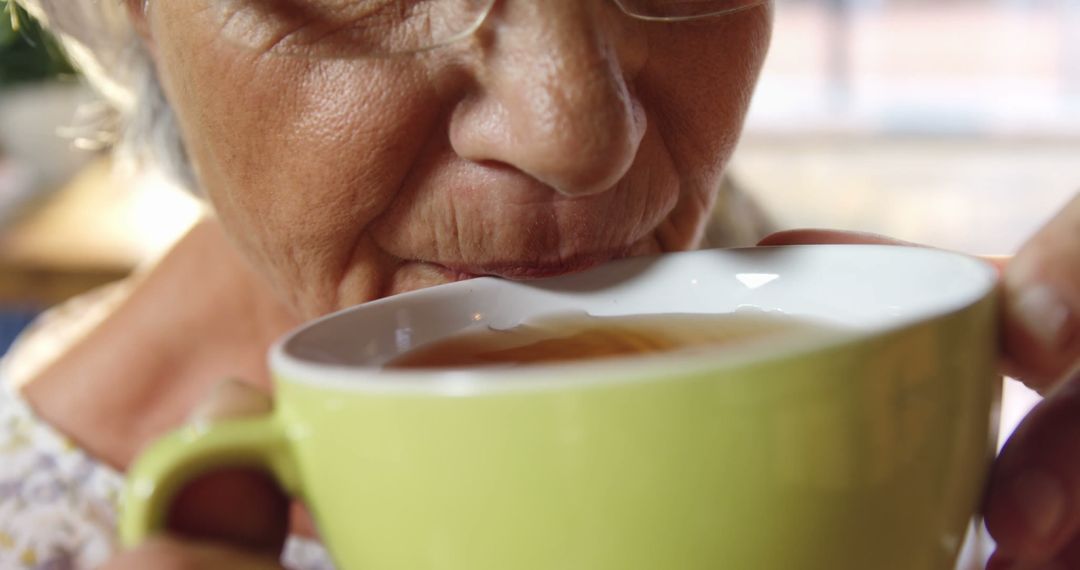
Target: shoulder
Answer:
pixel 57 329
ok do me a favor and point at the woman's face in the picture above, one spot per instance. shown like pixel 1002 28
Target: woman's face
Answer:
pixel 560 135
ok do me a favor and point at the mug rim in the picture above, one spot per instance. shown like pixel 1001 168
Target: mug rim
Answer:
pixel 293 369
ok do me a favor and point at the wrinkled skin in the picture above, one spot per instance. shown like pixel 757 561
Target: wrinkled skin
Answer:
pixel 562 134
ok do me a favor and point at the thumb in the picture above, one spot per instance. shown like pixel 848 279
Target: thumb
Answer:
pixel 1042 302
pixel 240 506
pixel 1032 509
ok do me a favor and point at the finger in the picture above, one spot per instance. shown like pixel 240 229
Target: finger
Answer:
pixel 1067 559
pixel 818 236
pixel 1000 262
pixel 1042 301
pixel 243 507
pixel 1032 507
pixel 171 554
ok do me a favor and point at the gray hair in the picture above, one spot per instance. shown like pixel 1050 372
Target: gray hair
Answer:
pixel 136 119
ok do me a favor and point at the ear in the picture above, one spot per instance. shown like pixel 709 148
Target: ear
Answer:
pixel 138 14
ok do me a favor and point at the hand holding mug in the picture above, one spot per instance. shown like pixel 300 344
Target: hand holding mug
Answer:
pixel 207 529
pixel 1032 508
pixel 859 448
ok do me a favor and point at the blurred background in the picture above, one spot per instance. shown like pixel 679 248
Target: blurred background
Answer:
pixel 954 123
pixel 949 122
pixel 71 219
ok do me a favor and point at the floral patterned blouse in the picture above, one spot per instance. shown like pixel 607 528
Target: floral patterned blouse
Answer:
pixel 59 504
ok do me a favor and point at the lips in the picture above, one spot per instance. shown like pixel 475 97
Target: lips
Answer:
pixel 522 271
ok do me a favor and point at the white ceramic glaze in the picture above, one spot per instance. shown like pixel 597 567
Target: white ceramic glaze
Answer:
pixel 867 289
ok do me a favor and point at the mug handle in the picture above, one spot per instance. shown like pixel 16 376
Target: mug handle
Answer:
pixel 180 457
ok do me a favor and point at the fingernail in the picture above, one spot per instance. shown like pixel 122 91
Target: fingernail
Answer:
pixel 1040 501
pixel 1043 314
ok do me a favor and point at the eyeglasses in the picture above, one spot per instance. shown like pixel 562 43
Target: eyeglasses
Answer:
pixel 386 28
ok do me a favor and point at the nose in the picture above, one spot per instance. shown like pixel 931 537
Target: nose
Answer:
pixel 552 94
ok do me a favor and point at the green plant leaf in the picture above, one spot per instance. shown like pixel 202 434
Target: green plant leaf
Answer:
pixel 27 52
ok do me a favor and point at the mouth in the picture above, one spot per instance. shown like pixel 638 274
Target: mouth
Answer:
pixel 524 271
pixel 421 273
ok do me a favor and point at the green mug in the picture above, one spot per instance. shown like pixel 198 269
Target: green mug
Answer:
pixel 866 447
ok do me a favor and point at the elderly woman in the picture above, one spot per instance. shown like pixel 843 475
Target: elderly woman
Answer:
pixel 354 149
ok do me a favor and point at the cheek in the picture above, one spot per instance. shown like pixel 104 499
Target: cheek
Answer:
pixel 273 138
pixel 296 155
pixel 698 86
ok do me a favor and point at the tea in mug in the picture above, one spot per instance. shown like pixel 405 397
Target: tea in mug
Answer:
pixel 585 337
